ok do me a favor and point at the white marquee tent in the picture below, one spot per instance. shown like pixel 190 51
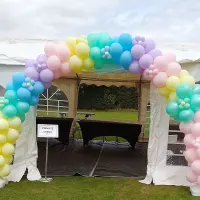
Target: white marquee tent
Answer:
pixel 13 54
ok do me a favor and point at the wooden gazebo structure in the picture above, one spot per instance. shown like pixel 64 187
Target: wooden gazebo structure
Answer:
pixel 70 87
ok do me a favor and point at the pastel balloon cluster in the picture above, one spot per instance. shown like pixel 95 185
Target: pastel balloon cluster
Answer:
pixel 80 54
pixel 21 93
pixel 192 143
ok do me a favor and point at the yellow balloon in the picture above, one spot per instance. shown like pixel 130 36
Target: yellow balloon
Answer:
pixel 2 139
pixel 3 125
pixel 12 135
pixel 8 160
pixel 183 73
pixel 7 149
pixel 20 129
pixel 5 170
pixel 172 83
pixel 88 64
pixel 76 64
pixel 163 91
pixel 188 79
pixel 172 96
pixel 15 123
pixel 71 44
pixel 82 50
pixel 2 161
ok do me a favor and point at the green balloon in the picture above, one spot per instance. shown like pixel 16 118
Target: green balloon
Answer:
pixel 11 95
pixel 9 111
pixel 184 90
pixel 95 54
pixel 104 40
pixel 92 39
pixel 196 89
pixel 195 102
pixel 22 107
pixel 172 108
pixel 186 115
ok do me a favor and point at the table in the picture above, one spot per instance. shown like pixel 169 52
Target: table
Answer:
pixel 64 126
pixel 95 128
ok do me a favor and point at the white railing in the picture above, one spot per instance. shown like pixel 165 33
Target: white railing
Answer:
pixel 49 108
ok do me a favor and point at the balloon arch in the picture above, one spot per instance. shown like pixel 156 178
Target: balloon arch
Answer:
pixel 95 52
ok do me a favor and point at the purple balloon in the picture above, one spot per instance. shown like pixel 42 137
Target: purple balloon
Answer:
pixel 137 51
pixel 135 67
pixel 32 73
pixel 145 61
pixel 31 63
pixel 149 45
pixel 155 53
pixel 46 75
pixel 42 59
pixel 47 85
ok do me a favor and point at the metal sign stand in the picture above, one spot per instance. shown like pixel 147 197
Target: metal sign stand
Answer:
pixel 46 179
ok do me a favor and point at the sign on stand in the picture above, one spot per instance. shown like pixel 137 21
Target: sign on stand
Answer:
pixel 47 131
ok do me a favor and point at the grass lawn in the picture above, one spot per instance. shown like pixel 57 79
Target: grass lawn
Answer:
pixel 82 188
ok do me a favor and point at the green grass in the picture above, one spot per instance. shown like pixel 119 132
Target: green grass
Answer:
pixel 82 188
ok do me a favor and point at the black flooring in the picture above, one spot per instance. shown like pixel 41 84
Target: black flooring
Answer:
pixel 98 159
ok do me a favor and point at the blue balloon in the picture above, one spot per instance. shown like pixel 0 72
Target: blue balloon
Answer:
pixel 126 59
pixel 195 102
pixel 116 50
pixel 186 115
pixel 184 90
pixel 9 111
pixel 10 86
pixel 24 94
pixel 125 40
pixel 38 88
pixel 21 116
pixel 11 95
pixel 34 101
pixel 18 78
pixel 172 108
pixel 22 107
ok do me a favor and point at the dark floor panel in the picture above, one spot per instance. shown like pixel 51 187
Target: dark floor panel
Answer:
pixel 72 161
pixel 123 161
pixel 115 160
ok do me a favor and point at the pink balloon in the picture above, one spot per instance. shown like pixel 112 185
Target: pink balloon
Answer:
pixel 189 141
pixel 53 63
pixel 160 79
pixel 63 52
pixel 65 69
pixel 191 176
pixel 146 75
pixel 198 152
pixel 195 166
pixel 32 73
pixel 57 74
pixel 197 116
pixel 195 129
pixel 50 49
pixel 155 72
pixel 160 63
pixel 170 57
pixel 185 127
pixel 190 155
pixel 173 69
